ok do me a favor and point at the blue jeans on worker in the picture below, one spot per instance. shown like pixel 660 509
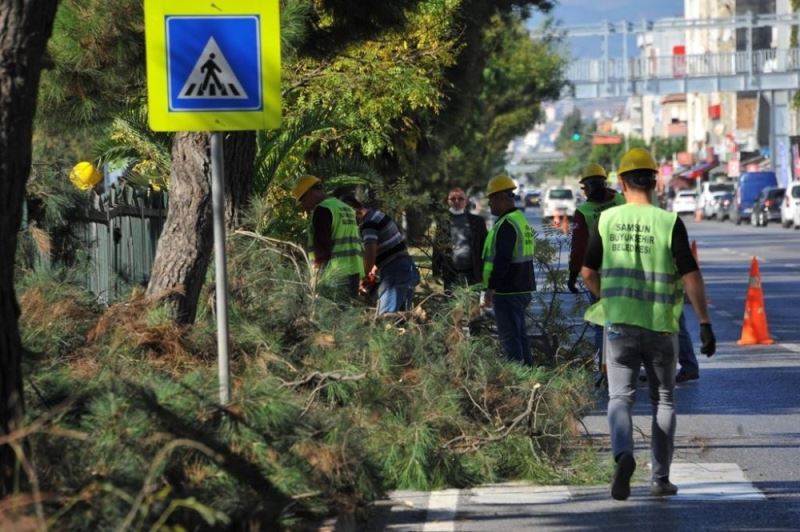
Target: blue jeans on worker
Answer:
pixel 686 356
pixel 630 347
pixel 509 314
pixel 396 287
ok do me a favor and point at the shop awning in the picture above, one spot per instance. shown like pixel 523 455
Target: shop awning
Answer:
pixel 698 170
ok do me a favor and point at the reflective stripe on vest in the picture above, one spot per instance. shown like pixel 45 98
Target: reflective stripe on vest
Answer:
pixel 592 210
pixel 639 282
pixel 524 246
pixel 346 253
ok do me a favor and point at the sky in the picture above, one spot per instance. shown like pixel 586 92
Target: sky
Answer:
pixel 570 12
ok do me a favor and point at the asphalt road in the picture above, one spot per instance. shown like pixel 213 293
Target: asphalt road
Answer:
pixel 737 453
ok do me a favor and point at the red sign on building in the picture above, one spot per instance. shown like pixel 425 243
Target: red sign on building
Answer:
pixel 679 61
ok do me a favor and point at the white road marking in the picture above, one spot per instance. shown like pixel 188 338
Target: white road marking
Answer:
pixel 717 482
pixel 794 348
pixel 518 493
pixel 724 313
pixel 441 514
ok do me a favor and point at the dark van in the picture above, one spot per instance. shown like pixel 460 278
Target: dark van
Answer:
pixel 750 186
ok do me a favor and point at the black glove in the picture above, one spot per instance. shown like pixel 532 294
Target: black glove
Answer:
pixel 707 340
pixel 573 276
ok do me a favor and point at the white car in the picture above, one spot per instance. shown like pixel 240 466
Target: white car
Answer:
pixel 710 192
pixel 559 201
pixel 710 206
pixel 685 202
pixel 790 207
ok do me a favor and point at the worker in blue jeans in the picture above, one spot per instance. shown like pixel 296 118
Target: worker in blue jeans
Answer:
pixel 508 275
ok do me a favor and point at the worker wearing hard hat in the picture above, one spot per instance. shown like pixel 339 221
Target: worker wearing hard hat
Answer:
pixel 508 269
pixel 334 243
pixel 85 175
pixel 599 197
pixel 638 263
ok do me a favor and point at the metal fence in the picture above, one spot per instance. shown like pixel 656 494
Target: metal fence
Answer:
pixel 120 229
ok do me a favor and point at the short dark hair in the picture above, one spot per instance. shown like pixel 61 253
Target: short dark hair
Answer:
pixel 640 179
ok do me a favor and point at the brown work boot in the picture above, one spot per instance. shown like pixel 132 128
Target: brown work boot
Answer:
pixel 661 487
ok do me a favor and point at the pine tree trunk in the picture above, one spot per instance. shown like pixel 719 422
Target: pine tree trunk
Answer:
pixel 25 27
pixel 240 158
pixel 186 243
pixel 184 249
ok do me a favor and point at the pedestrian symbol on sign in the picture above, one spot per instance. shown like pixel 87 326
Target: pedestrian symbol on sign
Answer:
pixel 212 77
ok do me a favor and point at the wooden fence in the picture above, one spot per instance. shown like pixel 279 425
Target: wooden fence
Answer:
pixel 120 229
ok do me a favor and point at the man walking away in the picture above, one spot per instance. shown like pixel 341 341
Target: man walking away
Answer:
pixel 638 264
pixel 458 244
pixel 334 246
pixel 386 252
pixel 508 269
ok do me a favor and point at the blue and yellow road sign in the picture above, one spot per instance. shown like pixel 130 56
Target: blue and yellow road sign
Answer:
pixel 213 66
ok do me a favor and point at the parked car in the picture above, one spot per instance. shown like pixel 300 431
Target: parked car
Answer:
pixel 749 187
pixel 709 193
pixel 532 198
pixel 723 205
pixel 709 207
pixel 791 204
pixel 684 201
pixel 559 200
pixel 767 207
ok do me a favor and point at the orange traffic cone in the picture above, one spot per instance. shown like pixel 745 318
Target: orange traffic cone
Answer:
pixel 694 251
pixel 556 220
pixel 754 327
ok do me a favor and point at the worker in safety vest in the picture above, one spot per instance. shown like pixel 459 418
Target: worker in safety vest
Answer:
pixel 598 198
pixel 508 269
pixel 638 264
pixel 334 244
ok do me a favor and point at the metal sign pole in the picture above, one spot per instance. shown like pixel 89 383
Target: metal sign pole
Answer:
pixel 220 260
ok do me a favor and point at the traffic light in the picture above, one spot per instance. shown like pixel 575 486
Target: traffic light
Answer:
pixel 576 136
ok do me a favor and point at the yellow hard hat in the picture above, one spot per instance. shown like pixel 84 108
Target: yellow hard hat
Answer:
pixel 637 159
pixel 593 170
pixel 500 183
pixel 84 175
pixel 303 184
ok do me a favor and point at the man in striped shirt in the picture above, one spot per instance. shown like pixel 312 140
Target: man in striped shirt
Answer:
pixel 385 252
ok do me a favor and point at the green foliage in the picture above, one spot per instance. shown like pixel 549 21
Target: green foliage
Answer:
pixel 519 71
pixel 131 144
pixel 96 69
pixel 331 407
pixel 47 234
pixel 666 148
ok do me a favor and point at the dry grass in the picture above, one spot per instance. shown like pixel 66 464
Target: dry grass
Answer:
pixel 41 313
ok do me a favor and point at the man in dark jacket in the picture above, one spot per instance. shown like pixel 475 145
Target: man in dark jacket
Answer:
pixel 458 244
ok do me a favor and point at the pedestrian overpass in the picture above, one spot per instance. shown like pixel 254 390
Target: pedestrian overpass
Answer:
pixel 774 69
pixel 761 70
pixel 773 73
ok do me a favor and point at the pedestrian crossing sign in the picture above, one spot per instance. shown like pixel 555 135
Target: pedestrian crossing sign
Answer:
pixel 214 66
